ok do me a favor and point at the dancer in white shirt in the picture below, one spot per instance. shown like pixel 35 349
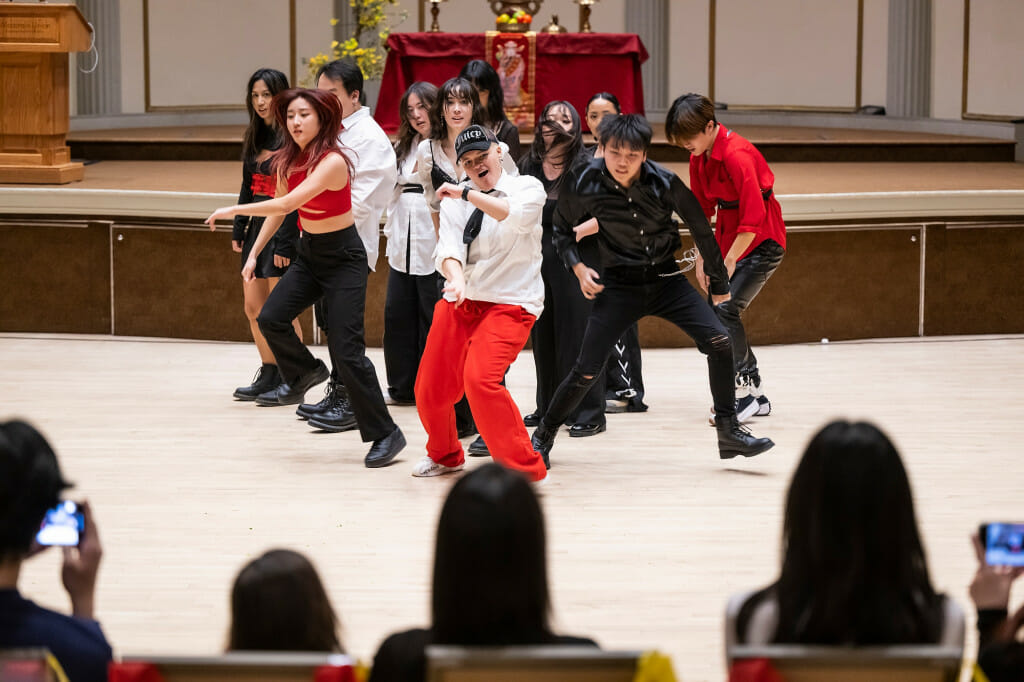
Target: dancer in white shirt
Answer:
pixel 412 279
pixel 489 251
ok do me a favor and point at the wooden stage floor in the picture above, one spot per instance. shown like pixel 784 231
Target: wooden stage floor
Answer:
pixel 649 532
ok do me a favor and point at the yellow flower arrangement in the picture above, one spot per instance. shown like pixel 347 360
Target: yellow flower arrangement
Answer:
pixel 367 45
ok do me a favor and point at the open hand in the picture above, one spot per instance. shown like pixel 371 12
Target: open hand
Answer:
pixel 220 214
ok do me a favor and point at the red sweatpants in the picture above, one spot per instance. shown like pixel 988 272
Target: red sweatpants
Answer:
pixel 468 349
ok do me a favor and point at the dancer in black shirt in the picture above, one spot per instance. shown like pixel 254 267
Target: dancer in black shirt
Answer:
pixel 633 200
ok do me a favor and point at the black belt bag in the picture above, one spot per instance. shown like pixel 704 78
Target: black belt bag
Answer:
pixel 765 194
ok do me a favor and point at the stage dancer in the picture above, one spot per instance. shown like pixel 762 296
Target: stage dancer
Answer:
pixel 313 176
pixel 489 252
pixel 492 103
pixel 623 376
pixel 262 136
pixel 730 178
pixel 372 185
pixel 456 108
pixel 412 278
pixel 633 200
pixel 558 333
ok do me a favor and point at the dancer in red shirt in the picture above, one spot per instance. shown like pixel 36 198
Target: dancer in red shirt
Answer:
pixel 731 178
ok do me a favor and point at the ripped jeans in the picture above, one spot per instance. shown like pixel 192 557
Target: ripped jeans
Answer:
pixel 631 293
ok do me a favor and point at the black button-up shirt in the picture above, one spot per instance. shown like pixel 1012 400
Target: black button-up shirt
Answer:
pixel 636 224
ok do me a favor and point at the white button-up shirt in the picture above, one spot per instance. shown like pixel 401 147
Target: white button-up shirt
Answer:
pixel 409 229
pixel 430 152
pixel 373 181
pixel 502 265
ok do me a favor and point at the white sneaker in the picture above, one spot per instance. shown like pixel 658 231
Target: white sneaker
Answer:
pixel 542 482
pixel 428 467
pixel 764 407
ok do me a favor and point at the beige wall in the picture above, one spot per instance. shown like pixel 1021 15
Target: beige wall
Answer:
pixel 201 50
pixel 995 82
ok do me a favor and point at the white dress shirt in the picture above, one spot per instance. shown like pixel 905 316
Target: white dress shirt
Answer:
pixel 374 178
pixel 502 265
pixel 426 160
pixel 409 229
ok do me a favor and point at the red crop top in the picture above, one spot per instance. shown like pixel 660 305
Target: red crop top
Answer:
pixel 328 204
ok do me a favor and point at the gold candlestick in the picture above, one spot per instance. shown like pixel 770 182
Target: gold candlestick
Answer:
pixel 435 10
pixel 585 6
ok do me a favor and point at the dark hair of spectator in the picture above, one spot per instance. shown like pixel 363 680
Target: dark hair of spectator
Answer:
pixel 688 116
pixel 427 92
pixel 490 563
pixel 290 158
pixel 279 604
pixel 853 567
pixel 608 97
pixel 453 88
pixel 629 130
pixel 483 77
pixel 346 72
pixel 565 147
pixel 30 484
pixel 259 135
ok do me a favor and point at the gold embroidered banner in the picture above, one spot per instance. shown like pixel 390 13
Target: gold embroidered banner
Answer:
pixel 514 57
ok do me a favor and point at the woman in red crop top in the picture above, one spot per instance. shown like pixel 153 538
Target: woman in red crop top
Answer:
pixel 313 177
pixel 262 137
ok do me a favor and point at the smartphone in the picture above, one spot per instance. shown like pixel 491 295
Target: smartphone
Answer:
pixel 1004 543
pixel 62 525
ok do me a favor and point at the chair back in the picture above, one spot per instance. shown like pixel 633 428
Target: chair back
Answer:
pixel 236 667
pixel 543 663
pixel 911 663
pixel 26 665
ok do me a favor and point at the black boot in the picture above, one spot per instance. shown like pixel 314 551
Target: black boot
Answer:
pixel 735 440
pixel 542 440
pixel 286 394
pixel 267 379
pixel 309 410
pixel 478 448
pixel 337 417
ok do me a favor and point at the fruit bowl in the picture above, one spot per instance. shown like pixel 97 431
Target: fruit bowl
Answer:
pixel 507 27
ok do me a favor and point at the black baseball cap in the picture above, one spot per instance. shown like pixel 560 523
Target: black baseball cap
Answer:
pixel 474 138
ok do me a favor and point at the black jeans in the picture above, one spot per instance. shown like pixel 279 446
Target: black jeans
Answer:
pixel 408 311
pixel 631 293
pixel 332 266
pixel 751 274
pixel 557 336
pixel 623 376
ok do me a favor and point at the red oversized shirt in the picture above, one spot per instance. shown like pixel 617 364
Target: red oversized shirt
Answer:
pixel 736 171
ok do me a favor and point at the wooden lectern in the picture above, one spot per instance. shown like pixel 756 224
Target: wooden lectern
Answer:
pixel 35 39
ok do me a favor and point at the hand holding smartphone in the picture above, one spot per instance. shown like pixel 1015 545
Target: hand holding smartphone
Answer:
pixel 62 526
pixel 1003 543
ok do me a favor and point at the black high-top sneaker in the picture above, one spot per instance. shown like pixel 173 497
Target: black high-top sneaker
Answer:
pixel 764 406
pixel 307 410
pixel 267 379
pixel 736 441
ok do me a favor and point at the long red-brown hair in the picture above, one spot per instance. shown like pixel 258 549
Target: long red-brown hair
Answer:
pixel 290 158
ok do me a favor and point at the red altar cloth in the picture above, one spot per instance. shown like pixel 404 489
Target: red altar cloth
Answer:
pixel 570 66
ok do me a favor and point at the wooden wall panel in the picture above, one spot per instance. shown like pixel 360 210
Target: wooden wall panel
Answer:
pixel 55 279
pixel 836 285
pixel 973 281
